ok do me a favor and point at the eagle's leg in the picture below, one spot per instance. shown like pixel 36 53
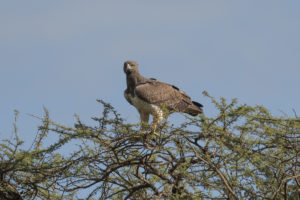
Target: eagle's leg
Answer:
pixel 144 120
pixel 144 124
pixel 157 117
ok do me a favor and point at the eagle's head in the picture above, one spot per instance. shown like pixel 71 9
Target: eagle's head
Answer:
pixel 130 66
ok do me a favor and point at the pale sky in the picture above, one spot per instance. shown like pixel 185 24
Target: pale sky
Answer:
pixel 66 54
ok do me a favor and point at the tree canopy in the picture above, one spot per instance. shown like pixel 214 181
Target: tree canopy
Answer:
pixel 244 152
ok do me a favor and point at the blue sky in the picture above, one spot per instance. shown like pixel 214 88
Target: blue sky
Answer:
pixel 66 54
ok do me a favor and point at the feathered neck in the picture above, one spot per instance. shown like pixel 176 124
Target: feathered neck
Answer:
pixel 135 78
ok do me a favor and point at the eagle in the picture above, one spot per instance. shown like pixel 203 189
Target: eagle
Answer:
pixel 152 97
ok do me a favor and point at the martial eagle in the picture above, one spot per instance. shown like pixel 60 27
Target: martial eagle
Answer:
pixel 150 96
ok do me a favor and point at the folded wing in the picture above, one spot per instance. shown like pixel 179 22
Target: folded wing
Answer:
pixel 160 93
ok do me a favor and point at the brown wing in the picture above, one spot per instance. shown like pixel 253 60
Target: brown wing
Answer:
pixel 127 96
pixel 156 92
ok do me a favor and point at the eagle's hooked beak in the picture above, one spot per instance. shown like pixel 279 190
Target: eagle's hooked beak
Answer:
pixel 129 67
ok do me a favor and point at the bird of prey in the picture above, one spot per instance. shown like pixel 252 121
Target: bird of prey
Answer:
pixel 150 96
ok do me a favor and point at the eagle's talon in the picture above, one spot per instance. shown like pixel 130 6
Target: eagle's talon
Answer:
pixel 154 133
pixel 148 146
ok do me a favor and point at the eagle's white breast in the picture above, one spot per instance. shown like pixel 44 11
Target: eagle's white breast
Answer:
pixel 143 106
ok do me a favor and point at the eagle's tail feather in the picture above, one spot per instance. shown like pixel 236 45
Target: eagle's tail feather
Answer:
pixel 194 109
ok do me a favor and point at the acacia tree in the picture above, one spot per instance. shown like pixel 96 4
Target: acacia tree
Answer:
pixel 242 153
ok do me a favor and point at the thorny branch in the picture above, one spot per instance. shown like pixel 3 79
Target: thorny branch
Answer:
pixel 242 153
